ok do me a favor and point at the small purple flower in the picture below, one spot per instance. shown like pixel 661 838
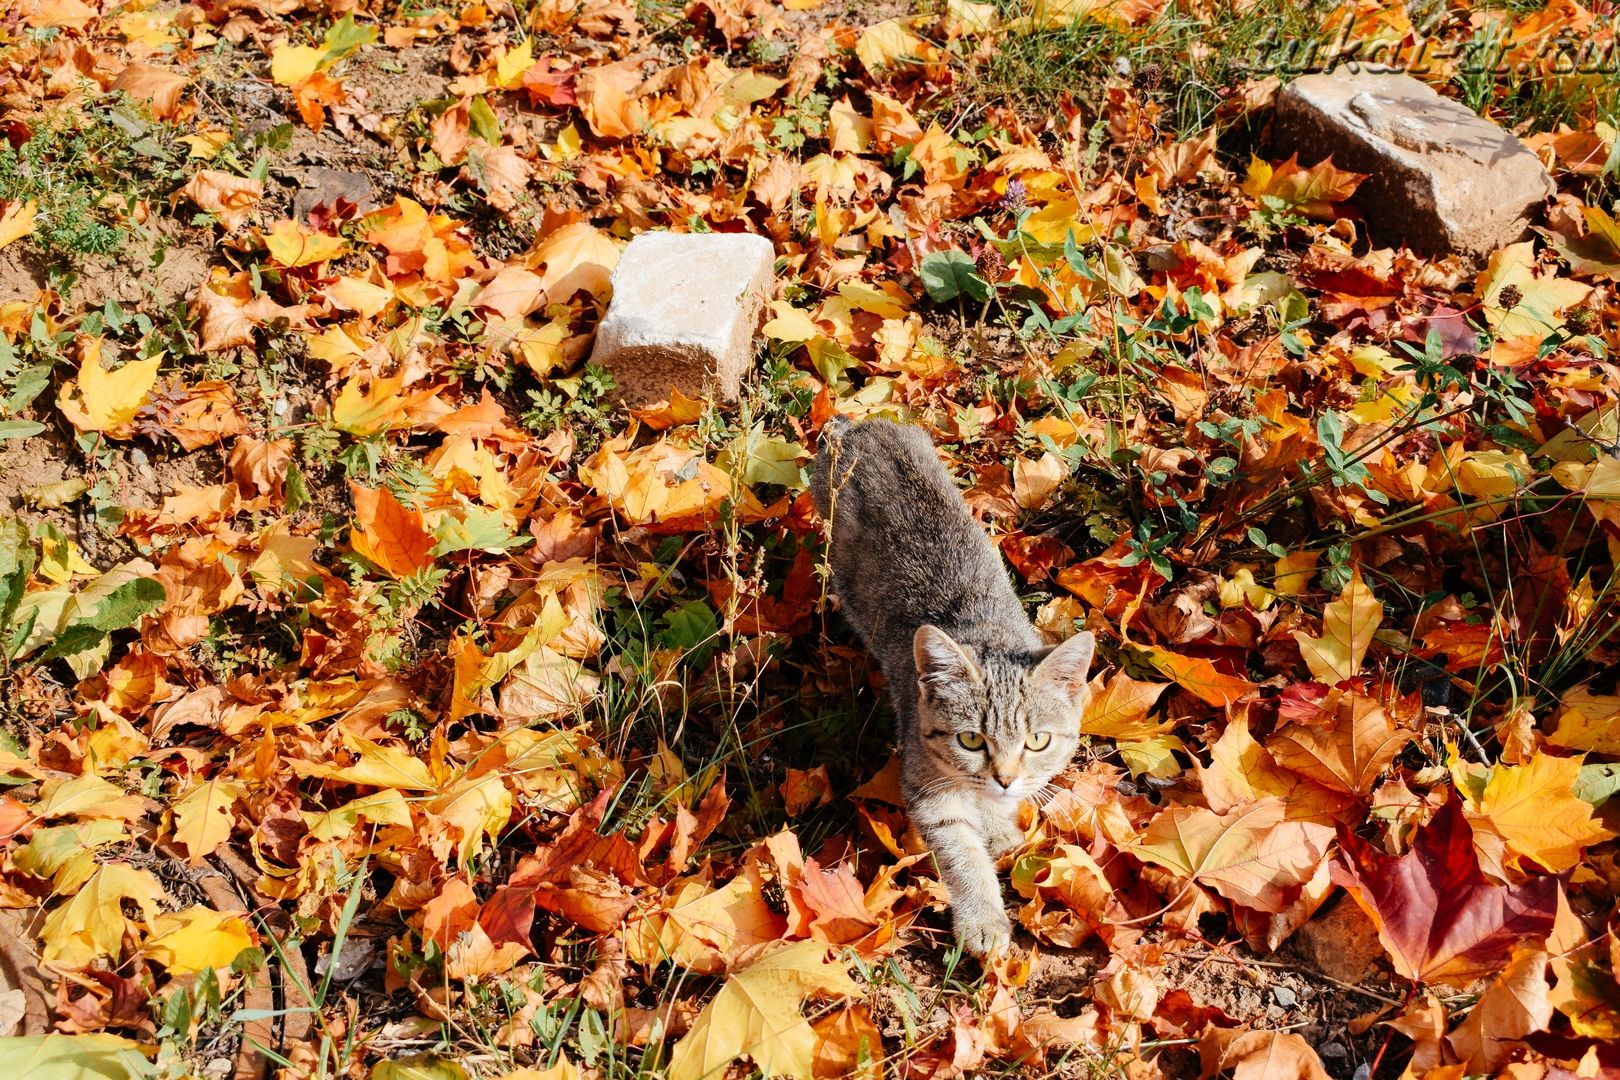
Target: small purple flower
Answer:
pixel 1016 200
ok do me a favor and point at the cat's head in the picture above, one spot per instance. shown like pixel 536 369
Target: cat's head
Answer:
pixel 1001 725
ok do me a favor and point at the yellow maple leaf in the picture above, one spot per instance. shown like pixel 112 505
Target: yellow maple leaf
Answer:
pixel 1348 625
pixel 474 809
pixel 92 924
pixel 1118 708
pixel 17 221
pixel 189 941
pixel 1532 810
pixel 1311 190
pixel 368 408
pixel 1587 721
pixel 577 257
pixel 203 818
pixel 107 401
pixel 386 807
pixel 757 1013
pixel 1538 302
pixel 87 796
pixel 292 245
pixel 377 766
pixel 291 65
pixel 513 63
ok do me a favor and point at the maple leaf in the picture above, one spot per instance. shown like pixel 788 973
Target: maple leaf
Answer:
pixel 1346 747
pixel 187 942
pixel 159 87
pixel 1438 917
pixel 1199 676
pixel 377 765
pixel 1516 1004
pixel 203 817
pixel 388 533
pixel 1532 811
pixel 1118 708
pixel 1348 626
pixel 1588 721
pixel 1258 1055
pixel 92 924
pixel 756 1014
pixel 293 245
pixel 18 220
pixel 1312 191
pixel 1253 855
pixel 230 198
pixel 1537 302
pixel 95 1056
pixel 1597 252
pixel 107 401
pixel 1586 990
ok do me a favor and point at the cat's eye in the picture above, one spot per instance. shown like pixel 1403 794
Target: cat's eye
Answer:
pixel 971 740
pixel 1038 741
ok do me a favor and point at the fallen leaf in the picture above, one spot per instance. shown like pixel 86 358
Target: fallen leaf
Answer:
pixel 1438 917
pixel 1348 626
pixel 756 1014
pixel 1533 811
pixel 389 533
pixel 190 941
pixel 1514 1005
pixel 1253 855
pixel 203 817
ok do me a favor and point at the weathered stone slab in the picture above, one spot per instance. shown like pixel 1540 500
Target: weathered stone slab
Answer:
pixel 684 312
pixel 1440 178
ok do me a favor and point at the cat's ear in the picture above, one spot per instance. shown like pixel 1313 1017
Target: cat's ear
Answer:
pixel 940 660
pixel 1068 664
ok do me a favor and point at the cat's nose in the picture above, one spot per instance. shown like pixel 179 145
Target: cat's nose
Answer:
pixel 1006 785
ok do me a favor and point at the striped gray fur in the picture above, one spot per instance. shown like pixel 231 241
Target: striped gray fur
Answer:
pixel 988 714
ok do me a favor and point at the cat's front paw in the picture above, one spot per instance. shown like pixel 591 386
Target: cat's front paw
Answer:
pixel 981 935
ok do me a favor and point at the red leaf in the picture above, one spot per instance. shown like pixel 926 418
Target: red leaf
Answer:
pixel 1437 915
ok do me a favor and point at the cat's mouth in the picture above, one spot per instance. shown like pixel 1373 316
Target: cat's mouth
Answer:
pixel 996 793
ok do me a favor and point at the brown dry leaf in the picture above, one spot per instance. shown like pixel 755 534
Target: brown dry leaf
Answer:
pixel 1258 1055
pixel 1347 753
pixel 1253 855
pixel 1514 1005
pixel 159 87
pixel 228 197
pixel 607 97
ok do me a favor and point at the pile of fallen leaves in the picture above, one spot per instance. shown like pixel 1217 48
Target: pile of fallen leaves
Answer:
pixel 521 724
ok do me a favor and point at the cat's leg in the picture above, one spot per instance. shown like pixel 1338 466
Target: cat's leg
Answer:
pixel 1002 832
pixel 953 826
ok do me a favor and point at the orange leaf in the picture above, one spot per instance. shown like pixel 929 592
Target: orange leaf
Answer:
pixel 389 533
pixel 1199 677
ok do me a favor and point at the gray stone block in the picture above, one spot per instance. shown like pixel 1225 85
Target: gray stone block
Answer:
pixel 684 312
pixel 1440 178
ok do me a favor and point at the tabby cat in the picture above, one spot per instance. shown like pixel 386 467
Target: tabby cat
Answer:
pixel 988 714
